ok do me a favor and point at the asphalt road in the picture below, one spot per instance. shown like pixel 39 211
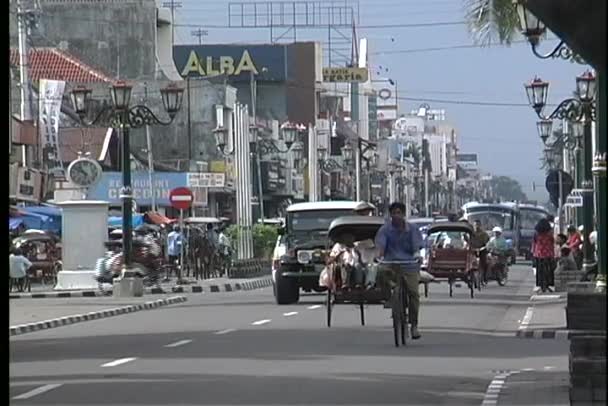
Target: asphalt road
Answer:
pixel 241 348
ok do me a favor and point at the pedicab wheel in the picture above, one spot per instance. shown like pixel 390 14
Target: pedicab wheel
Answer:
pixel 328 305
pixel 362 310
pixel 451 283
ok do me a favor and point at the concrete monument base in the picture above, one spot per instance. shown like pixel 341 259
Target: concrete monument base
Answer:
pixel 76 280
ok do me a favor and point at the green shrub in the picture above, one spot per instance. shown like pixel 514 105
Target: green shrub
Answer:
pixel 264 239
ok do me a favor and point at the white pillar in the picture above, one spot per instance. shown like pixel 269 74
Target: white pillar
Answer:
pixel 313 164
pixel 84 232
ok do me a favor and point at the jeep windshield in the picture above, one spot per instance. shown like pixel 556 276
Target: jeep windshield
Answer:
pixel 305 226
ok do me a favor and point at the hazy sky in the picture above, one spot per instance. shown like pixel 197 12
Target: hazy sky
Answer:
pixel 505 137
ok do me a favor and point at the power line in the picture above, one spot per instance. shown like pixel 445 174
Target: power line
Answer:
pixel 199 33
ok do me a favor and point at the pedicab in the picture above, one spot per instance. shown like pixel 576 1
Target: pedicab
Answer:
pixel 356 285
pixel 43 250
pixel 451 257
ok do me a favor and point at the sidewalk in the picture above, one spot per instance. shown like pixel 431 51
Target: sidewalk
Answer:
pixel 31 311
pixel 203 286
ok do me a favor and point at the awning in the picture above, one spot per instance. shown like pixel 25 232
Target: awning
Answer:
pixel 114 222
pixel 14 223
pixel 153 217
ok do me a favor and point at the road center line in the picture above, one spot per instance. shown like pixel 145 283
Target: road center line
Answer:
pixel 228 330
pixel 38 391
pixel 178 343
pixel 527 318
pixel 118 362
pixel 313 307
pixel 261 322
pixel 290 314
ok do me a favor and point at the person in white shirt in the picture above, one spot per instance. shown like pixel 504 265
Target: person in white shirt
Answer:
pixel 18 264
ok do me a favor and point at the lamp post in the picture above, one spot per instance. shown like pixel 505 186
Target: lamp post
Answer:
pixel 534 29
pixel 326 164
pixel 347 158
pixel 123 116
pixel 580 109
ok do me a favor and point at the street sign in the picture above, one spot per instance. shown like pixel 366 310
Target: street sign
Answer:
pixel 574 201
pixel 181 198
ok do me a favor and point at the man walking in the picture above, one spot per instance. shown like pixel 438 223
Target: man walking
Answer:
pixel 399 242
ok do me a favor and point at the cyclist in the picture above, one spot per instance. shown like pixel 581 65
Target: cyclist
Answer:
pixel 399 242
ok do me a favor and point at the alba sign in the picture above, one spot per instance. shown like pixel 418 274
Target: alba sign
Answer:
pixel 266 62
pixel 345 75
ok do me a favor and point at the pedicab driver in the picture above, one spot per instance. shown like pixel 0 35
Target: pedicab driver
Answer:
pixel 400 241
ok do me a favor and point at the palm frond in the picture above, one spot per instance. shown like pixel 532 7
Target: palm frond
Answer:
pixel 491 21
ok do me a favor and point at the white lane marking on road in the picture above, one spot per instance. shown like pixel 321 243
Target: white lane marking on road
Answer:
pixel 547 368
pixel 118 362
pixel 261 322
pixel 527 318
pixel 313 307
pixel 38 391
pixel 494 388
pixel 288 314
pixel 527 369
pixel 221 332
pixel 178 343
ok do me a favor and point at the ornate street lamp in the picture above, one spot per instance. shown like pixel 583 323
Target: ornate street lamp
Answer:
pixel 544 127
pixel 325 163
pixel 347 153
pixel 580 110
pixel 534 29
pixel 120 114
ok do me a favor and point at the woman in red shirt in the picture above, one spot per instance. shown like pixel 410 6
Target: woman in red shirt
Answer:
pixel 574 243
pixel 543 249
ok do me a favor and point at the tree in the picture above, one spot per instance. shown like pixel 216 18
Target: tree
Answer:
pixel 492 21
pixel 507 189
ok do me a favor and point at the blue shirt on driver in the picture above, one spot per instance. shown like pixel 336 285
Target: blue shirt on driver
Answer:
pixel 399 244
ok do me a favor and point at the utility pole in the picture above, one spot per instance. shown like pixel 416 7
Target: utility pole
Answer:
pixel 254 95
pixel 199 33
pixel 172 5
pixel 150 156
pixel 25 17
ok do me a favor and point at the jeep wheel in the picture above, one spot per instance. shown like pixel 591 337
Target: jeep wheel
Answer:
pixel 286 291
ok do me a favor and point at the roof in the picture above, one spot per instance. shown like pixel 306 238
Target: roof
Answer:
pixel 331 205
pixel 55 64
pixel 73 140
pixel 360 227
pixel 203 220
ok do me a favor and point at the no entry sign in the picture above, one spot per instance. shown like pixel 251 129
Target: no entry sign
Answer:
pixel 181 198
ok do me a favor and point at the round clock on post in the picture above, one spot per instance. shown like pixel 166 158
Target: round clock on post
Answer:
pixel 84 172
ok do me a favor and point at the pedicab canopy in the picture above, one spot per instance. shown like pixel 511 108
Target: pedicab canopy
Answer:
pixel 361 227
pixel 446 226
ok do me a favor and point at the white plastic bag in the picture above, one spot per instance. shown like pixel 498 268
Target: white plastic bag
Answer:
pixel 426 277
pixel 325 278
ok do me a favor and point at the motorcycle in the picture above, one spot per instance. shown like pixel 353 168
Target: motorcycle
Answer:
pixel 497 267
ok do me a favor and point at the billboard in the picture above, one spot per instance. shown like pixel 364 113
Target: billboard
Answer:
pixel 345 75
pixel 467 161
pixel 266 62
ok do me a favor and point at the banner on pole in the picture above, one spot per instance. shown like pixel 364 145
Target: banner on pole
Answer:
pixel 51 95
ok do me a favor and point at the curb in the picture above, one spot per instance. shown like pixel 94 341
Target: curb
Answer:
pixel 228 287
pixel 79 318
pixel 556 334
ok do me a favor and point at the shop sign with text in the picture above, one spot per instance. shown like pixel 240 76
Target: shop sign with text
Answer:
pixel 239 62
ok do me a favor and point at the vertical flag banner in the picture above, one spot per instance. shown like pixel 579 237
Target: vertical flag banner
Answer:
pixel 50 97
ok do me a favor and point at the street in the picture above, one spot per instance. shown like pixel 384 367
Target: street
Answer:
pixel 241 348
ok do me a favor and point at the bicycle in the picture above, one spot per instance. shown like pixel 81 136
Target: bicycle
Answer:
pixel 399 300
